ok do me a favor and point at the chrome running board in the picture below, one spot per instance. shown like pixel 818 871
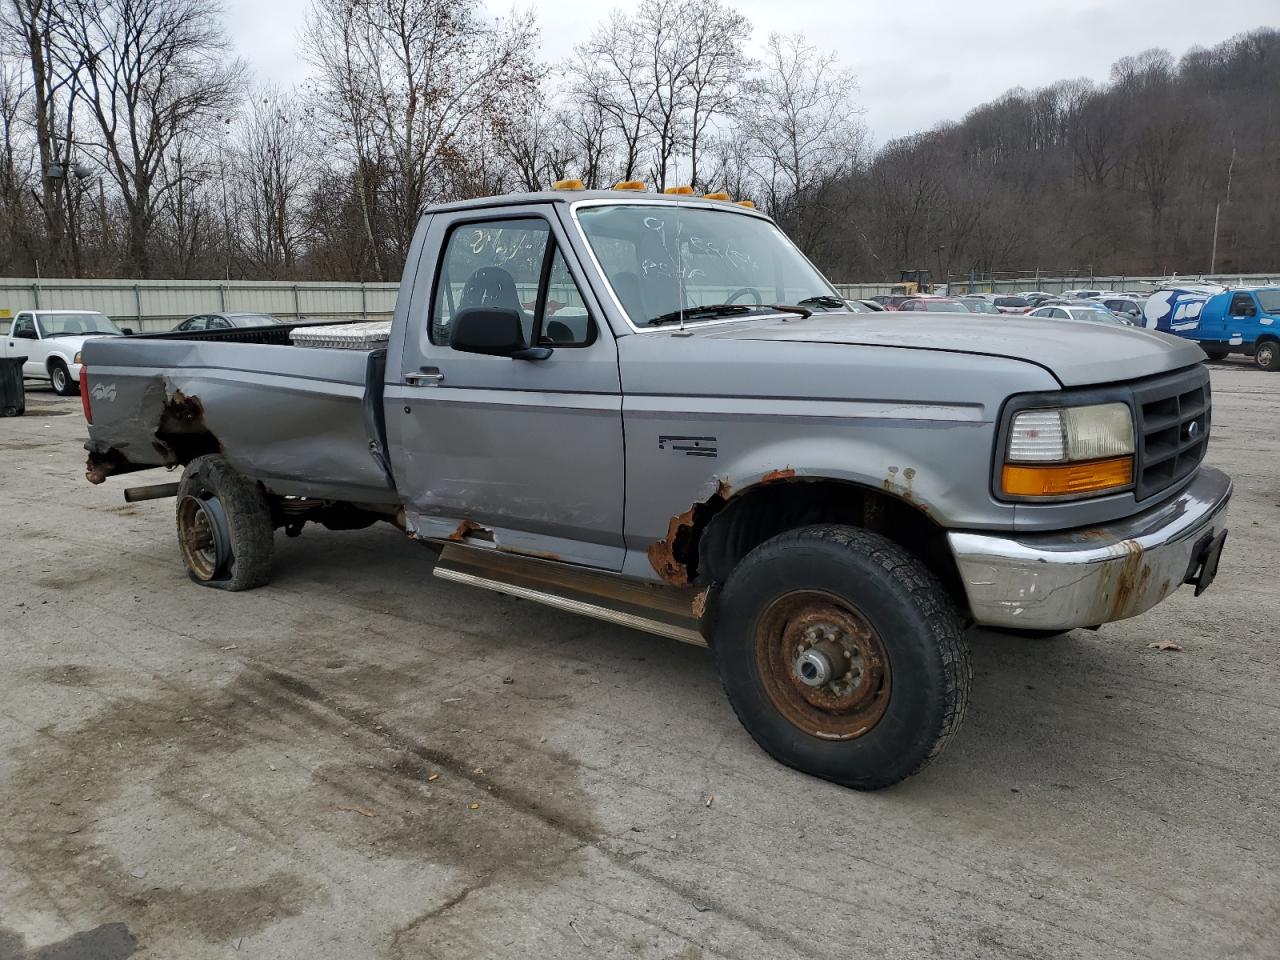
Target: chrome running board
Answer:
pixel 651 607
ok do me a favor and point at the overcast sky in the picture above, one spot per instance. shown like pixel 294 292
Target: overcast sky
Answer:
pixel 917 62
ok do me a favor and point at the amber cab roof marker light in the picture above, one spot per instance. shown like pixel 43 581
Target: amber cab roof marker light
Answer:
pixel 683 191
pixel 719 195
pixel 745 203
pixel 638 185
pixel 567 185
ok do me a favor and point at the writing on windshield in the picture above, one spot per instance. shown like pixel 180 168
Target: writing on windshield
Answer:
pixel 663 260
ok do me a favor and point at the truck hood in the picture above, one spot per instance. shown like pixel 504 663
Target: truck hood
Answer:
pixel 1077 352
pixel 71 345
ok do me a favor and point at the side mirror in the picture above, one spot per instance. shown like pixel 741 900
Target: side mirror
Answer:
pixel 494 332
pixel 127 331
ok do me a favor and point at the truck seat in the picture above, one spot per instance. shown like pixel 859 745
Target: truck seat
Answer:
pixel 490 287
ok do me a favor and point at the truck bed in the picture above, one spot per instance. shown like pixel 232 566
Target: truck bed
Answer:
pixel 305 421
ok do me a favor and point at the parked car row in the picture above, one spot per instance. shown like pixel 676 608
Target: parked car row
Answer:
pixel 1113 309
pixel 51 340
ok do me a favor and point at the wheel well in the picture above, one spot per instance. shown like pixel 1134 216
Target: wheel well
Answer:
pixel 52 361
pixel 727 531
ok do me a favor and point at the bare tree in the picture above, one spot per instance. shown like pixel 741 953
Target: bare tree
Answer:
pixel 717 68
pixel 803 129
pixel 272 165
pixel 610 74
pixel 420 84
pixel 150 71
pixel 32 35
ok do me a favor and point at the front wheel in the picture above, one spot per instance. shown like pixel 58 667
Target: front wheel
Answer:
pixel 1216 353
pixel 1268 356
pixel 225 531
pixel 842 655
pixel 60 376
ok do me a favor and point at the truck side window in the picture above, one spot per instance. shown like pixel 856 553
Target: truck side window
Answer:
pixel 496 263
pixel 1242 306
pixel 565 320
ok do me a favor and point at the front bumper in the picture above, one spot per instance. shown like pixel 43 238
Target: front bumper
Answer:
pixel 1094 575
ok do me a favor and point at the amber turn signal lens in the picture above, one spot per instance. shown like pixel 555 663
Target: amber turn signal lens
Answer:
pixel 1064 480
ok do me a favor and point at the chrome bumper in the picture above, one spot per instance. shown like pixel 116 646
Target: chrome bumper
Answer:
pixel 1094 575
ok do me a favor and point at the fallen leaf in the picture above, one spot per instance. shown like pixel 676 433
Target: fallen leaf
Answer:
pixel 1164 645
pixel 475 806
pixel 363 811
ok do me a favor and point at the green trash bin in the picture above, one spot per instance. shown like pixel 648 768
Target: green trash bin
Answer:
pixel 13 396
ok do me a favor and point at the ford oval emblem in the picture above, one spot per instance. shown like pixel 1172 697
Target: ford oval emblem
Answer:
pixel 1193 429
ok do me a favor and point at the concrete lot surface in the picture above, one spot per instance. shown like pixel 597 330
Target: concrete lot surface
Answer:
pixel 360 761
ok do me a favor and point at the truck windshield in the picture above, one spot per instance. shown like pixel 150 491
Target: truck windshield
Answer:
pixel 662 259
pixel 1269 300
pixel 77 324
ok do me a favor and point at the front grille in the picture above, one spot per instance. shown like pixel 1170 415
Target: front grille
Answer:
pixel 1173 428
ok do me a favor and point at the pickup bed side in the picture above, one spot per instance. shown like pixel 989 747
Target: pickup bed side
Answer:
pixel 162 400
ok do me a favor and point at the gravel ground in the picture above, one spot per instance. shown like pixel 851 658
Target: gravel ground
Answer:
pixel 360 761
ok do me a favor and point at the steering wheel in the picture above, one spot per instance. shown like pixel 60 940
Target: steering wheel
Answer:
pixel 751 291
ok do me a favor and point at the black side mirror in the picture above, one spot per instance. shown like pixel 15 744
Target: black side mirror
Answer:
pixel 127 331
pixel 494 332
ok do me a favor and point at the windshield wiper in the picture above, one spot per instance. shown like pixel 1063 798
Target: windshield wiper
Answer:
pixel 724 310
pixel 826 300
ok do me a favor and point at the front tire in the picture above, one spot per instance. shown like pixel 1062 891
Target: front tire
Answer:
pixel 842 655
pixel 60 377
pixel 1216 353
pixel 225 533
pixel 1268 356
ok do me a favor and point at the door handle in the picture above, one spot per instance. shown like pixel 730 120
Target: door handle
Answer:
pixel 427 377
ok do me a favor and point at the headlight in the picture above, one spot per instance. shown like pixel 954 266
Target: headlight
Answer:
pixel 1069 451
pixel 77 357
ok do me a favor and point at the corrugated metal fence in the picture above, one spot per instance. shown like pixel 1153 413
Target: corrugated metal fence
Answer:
pixel 861 291
pixel 152 305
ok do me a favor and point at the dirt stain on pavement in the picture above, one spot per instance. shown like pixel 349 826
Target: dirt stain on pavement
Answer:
pixel 496 812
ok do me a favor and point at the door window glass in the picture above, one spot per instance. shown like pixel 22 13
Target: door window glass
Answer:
pixel 24 326
pixel 565 322
pixel 218 323
pixel 1242 305
pixel 496 264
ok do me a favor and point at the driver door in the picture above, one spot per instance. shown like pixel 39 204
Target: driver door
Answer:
pixel 24 341
pixel 518 455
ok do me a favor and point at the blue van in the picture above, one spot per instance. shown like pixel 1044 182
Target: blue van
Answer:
pixel 1241 320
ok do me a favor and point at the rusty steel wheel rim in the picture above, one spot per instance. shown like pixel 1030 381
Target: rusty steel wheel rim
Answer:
pixel 823 666
pixel 200 536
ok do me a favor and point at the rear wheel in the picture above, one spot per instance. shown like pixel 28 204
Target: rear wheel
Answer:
pixel 60 376
pixel 225 531
pixel 842 655
pixel 1268 356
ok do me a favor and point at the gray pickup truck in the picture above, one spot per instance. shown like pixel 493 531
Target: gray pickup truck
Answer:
pixel 654 410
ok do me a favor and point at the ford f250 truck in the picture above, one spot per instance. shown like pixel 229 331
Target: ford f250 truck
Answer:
pixel 654 410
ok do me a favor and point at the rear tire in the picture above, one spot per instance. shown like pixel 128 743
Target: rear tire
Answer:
pixel 60 377
pixel 1268 356
pixel 886 629
pixel 225 532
